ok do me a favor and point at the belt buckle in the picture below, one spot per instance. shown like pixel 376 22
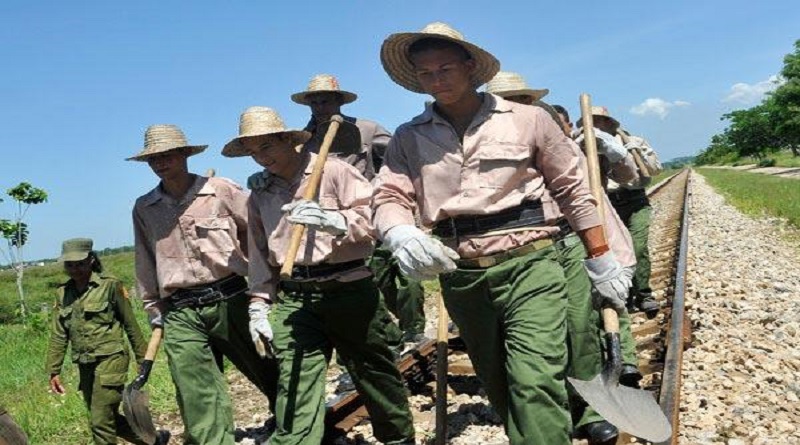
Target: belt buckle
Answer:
pixel 210 296
pixel 301 270
pixel 485 262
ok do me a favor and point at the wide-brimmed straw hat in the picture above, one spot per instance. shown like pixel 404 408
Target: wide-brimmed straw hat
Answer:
pixel 261 121
pixel 397 61
pixel 162 138
pixel 323 83
pixel 75 249
pixel 508 84
pixel 601 112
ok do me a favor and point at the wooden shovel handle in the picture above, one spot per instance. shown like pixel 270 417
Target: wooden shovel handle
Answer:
pixel 592 161
pixel 441 374
pixel 637 156
pixel 155 341
pixel 309 194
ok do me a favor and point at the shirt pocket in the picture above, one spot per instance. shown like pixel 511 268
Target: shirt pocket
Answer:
pixel 213 235
pixel 500 164
pixel 65 317
pixel 98 312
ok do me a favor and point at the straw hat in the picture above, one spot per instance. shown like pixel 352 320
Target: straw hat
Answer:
pixel 163 138
pixel 507 84
pixel 323 83
pixel 600 112
pixel 397 63
pixel 260 121
pixel 75 249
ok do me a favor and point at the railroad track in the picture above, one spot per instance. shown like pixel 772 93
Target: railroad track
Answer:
pixel 660 340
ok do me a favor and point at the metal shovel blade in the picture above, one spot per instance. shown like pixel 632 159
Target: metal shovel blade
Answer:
pixel 10 432
pixel 634 411
pixel 135 406
pixel 347 140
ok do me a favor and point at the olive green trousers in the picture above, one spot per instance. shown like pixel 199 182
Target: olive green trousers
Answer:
pixel 101 384
pixel 634 209
pixel 404 297
pixel 307 325
pixel 513 319
pixel 191 337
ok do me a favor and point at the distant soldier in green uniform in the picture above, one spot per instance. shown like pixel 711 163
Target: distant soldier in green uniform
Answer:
pixel 10 432
pixel 92 311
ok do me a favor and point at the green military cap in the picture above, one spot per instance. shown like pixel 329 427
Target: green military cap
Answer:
pixel 76 249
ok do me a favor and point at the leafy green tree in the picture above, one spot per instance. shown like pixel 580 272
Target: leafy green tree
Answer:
pixel 787 101
pixel 15 232
pixel 753 131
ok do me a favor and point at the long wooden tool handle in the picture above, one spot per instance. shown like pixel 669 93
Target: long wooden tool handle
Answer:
pixel 310 193
pixel 610 317
pixel 155 341
pixel 441 374
pixel 637 156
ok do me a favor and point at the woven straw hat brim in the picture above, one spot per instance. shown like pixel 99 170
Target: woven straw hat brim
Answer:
pixel 144 154
pixel 235 148
pixel 302 97
pixel 397 64
pixel 535 94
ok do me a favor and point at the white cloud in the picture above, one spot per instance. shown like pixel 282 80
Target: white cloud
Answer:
pixel 752 94
pixel 657 106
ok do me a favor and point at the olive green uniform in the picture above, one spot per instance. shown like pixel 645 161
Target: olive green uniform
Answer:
pixel 93 321
pixel 634 210
pixel 403 296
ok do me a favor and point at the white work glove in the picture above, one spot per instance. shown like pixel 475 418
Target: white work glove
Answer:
pixel 607 145
pixel 419 256
pixel 260 329
pixel 310 214
pixel 609 279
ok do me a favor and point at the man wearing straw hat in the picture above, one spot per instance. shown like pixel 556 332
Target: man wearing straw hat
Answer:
pixel 330 300
pixel 584 332
pixel 628 196
pixel 191 246
pixel 404 296
pixel 477 167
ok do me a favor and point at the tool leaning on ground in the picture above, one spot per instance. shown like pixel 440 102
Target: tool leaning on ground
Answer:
pixel 135 402
pixel 634 411
pixel 441 374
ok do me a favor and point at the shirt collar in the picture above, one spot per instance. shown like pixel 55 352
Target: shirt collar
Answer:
pixel 200 186
pixel 490 104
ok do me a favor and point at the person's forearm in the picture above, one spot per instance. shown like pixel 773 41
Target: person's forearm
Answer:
pixel 594 240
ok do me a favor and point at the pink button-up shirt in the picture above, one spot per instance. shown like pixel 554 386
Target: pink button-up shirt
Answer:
pixel 186 242
pixel 341 189
pixel 510 153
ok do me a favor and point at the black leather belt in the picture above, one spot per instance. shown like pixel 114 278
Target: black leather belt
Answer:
pixel 300 272
pixel 529 213
pixel 206 294
pixel 564 229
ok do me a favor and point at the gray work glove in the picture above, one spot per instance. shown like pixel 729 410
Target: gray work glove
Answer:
pixel 310 214
pixel 609 279
pixel 155 317
pixel 419 256
pixel 607 145
pixel 260 329
pixel 258 181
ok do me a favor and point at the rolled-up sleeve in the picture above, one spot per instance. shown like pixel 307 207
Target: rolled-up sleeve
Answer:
pixel 262 278
pixel 559 165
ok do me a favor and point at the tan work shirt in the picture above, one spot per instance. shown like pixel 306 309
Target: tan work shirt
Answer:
pixel 374 139
pixel 341 189
pixel 510 153
pixel 186 242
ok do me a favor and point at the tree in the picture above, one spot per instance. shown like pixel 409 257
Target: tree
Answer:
pixel 15 232
pixel 753 131
pixel 787 101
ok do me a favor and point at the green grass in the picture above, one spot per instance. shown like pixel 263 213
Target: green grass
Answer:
pixel 758 194
pixel 47 418
pixel 783 158
pixel 666 173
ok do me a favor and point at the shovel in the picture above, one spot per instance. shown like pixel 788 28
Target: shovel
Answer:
pixel 634 411
pixel 135 402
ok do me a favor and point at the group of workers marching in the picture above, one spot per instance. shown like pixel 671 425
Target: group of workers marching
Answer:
pixel 485 191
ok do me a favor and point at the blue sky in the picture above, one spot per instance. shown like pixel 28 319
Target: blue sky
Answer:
pixel 80 81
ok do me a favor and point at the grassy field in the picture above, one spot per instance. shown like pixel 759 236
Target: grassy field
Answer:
pixel 757 194
pixel 783 158
pixel 47 418
pixel 664 175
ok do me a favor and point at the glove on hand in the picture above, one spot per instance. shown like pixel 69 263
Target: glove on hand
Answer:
pixel 155 317
pixel 609 146
pixel 257 181
pixel 311 215
pixel 144 374
pixel 419 256
pixel 609 279
pixel 260 329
